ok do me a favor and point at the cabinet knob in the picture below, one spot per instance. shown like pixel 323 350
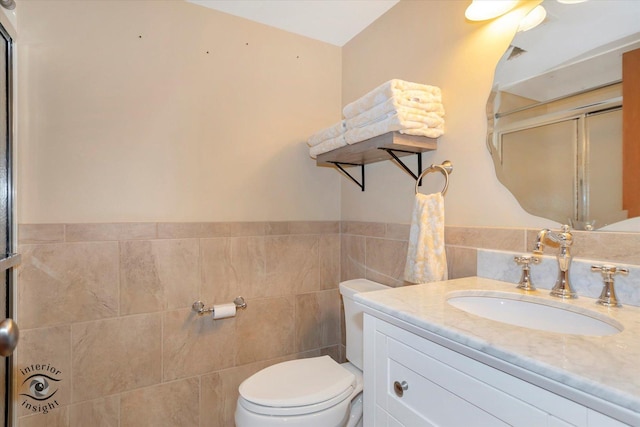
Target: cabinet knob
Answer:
pixel 400 387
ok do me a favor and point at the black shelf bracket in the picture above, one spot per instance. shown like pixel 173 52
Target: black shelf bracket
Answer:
pixel 400 163
pixel 359 183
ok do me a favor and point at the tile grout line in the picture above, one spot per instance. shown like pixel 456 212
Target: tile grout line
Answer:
pixel 162 379
pixel 71 389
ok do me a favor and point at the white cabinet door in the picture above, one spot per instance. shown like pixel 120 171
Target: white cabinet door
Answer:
pixel 444 388
pixel 383 419
pixel 596 419
pixel 555 422
pixel 425 403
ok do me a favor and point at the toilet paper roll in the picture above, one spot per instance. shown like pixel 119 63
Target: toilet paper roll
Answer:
pixel 222 311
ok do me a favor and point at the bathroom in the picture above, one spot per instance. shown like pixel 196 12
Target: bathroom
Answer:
pixel 161 160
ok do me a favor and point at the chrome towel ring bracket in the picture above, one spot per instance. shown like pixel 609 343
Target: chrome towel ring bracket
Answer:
pixel 446 168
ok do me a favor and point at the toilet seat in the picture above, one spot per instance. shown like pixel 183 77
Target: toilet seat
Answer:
pixel 312 385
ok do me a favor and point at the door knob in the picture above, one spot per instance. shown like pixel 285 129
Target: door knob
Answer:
pixel 9 335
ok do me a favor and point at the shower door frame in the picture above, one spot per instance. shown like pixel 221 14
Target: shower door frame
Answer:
pixel 10 275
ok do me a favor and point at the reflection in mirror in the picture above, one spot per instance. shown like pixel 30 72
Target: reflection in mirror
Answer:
pixel 558 134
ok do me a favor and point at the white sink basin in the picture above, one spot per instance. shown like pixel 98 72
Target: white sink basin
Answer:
pixel 534 313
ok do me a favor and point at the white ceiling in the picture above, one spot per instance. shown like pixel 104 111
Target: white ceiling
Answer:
pixel 331 21
pixel 571 33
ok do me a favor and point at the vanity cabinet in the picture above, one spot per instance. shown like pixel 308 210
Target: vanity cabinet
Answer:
pixel 413 381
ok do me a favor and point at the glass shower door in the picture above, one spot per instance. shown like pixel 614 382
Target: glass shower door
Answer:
pixel 8 260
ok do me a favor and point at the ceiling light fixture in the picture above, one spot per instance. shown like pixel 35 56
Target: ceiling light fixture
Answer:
pixel 571 1
pixel 481 10
pixel 533 18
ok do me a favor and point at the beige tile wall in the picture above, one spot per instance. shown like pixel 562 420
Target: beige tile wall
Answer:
pixel 109 306
pixel 377 251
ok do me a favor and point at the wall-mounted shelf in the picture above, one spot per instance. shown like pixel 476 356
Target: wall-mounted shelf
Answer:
pixel 390 146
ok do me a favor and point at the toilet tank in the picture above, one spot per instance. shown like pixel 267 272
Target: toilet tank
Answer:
pixel 353 316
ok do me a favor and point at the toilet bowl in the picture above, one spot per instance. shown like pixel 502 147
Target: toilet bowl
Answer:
pixel 311 392
pixel 304 392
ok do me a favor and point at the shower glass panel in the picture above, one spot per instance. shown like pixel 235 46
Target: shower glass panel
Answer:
pixel 541 169
pixel 604 136
pixel 566 168
pixel 6 218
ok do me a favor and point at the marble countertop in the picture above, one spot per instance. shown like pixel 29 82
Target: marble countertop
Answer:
pixel 602 366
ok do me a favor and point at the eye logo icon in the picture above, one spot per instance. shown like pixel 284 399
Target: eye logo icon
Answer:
pixel 39 388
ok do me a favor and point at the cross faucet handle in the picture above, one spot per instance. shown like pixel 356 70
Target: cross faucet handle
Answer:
pixel 608 271
pixel 525 279
pixel 526 260
pixel 608 295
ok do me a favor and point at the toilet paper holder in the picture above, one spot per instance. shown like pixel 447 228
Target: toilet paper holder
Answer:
pixel 201 309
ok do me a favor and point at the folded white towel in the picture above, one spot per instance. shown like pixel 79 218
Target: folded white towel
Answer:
pixel 426 257
pixel 327 145
pixel 326 134
pixel 404 114
pixel 425 131
pixel 393 89
pixel 394 104
pixel 391 123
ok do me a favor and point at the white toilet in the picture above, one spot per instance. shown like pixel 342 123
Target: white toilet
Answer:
pixel 311 392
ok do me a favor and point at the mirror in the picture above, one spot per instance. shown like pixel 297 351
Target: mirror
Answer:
pixel 555 114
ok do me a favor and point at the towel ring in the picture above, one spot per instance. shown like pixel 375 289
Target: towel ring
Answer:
pixel 446 168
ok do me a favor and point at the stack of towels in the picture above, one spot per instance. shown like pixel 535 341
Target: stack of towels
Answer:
pixel 411 108
pixel 327 139
pixel 397 105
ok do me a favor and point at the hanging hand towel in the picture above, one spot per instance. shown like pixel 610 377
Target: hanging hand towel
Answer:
pixel 426 258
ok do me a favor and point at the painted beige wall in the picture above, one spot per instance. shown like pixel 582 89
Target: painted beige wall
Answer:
pixel 168 111
pixel 431 42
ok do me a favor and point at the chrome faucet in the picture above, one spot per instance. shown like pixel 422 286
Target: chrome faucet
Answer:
pixel 562 239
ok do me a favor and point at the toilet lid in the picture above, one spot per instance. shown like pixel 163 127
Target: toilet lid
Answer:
pixel 298 383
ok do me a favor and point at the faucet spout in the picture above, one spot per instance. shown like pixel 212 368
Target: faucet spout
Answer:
pixel 563 240
pixel 538 248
